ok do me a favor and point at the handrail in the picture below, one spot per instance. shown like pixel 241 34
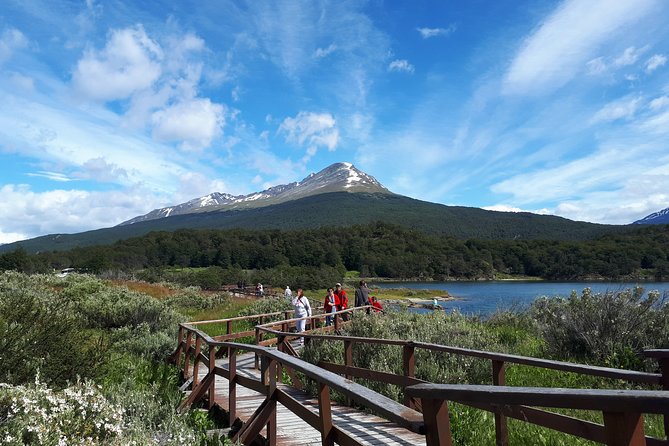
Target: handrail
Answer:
pixel 407 380
pixel 646 401
pixel 585 369
pixel 622 409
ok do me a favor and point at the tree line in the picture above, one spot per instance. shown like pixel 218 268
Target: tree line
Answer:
pixel 375 250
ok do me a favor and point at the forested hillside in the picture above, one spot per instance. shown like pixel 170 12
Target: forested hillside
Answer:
pixel 376 249
pixel 341 209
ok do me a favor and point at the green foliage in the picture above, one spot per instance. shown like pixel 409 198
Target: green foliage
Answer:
pixel 610 328
pixel 40 333
pixel 67 327
pixel 311 257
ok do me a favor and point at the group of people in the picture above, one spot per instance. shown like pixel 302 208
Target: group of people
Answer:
pixel 336 300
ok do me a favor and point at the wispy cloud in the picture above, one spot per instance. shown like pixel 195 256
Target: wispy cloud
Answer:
pixel 655 62
pixel 427 33
pixel 313 130
pixel 322 52
pixel 567 39
pixel 629 56
pixel 11 40
pixel 401 65
pixel 623 108
pixel 54 176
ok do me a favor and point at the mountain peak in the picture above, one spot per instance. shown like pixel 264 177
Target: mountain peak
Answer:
pixel 338 177
pixel 656 218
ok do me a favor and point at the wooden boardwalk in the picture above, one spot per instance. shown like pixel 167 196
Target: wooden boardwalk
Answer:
pixel 291 429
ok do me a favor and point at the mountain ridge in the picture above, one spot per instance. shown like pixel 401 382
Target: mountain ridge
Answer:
pixel 338 177
pixel 656 218
pixel 342 209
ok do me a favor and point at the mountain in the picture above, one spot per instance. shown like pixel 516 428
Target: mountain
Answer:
pixel 337 196
pixel 339 177
pixel 341 209
pixel 656 218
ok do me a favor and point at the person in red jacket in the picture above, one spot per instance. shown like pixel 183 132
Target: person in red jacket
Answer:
pixel 376 304
pixel 330 305
pixel 343 300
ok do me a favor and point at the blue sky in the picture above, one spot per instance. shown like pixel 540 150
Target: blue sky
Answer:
pixel 109 109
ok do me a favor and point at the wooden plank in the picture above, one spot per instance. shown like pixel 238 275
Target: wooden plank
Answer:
pixel 646 401
pixel 372 375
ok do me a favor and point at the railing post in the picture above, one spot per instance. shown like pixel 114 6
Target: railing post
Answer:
pixel 232 385
pixel 325 414
pixel 271 388
pixel 437 423
pixel 258 339
pixel 409 368
pixel 212 366
pixel 662 357
pixel 180 339
pixel 196 363
pixel 348 362
pixel 189 340
pixel 336 322
pixel 624 429
pixel 501 429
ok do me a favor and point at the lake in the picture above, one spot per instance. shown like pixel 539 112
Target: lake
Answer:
pixel 484 298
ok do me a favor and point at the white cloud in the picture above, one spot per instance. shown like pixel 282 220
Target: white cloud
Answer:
pixel 98 169
pixel 54 176
pixel 130 62
pixel 401 65
pixel 29 213
pixel 322 52
pixel 566 40
pixel 508 208
pixel 658 103
pixel 195 123
pixel 195 185
pixel 11 40
pixel 624 108
pixel 10 237
pixel 629 56
pixel 427 33
pixel 655 62
pixel 596 66
pixel 314 129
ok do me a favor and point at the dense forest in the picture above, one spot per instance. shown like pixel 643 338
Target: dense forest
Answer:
pixel 376 249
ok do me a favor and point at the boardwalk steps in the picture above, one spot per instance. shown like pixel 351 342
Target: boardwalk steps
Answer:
pixel 367 429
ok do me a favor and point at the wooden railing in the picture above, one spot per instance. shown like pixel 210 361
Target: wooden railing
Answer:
pixel 191 339
pixel 622 409
pixel 265 415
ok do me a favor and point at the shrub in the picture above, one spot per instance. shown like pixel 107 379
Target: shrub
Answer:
pixel 85 414
pixel 38 332
pixel 610 328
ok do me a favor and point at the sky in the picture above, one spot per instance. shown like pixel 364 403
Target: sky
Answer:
pixel 110 109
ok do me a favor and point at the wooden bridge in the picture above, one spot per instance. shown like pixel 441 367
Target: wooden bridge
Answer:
pixel 262 390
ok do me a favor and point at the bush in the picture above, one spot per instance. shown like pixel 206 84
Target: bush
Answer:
pixel 38 332
pixel 610 328
pixel 439 328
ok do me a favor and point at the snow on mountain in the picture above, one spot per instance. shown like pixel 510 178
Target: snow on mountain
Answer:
pixel 656 218
pixel 339 177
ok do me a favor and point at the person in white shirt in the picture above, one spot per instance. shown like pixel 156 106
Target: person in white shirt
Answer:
pixel 302 309
pixel 288 293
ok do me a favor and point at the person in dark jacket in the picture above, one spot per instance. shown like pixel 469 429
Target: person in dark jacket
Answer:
pixel 362 295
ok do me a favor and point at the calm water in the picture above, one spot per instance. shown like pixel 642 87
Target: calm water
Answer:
pixel 485 297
